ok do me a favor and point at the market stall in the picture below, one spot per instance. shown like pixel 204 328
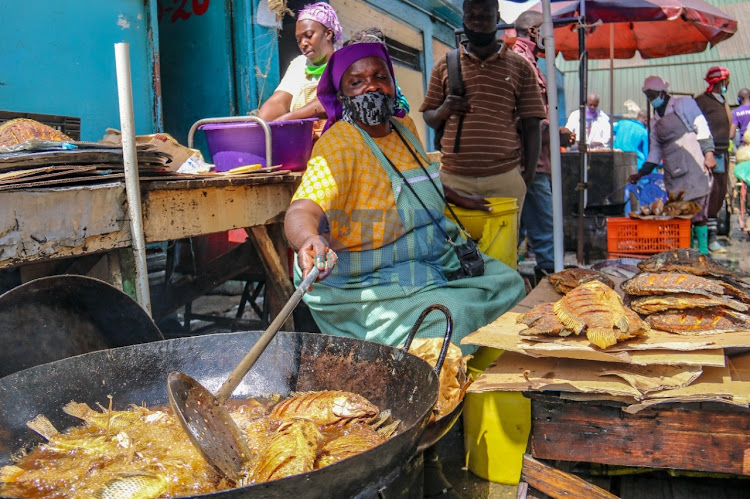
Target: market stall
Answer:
pixel 674 400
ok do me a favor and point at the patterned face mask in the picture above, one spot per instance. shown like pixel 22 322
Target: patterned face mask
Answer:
pixel 370 108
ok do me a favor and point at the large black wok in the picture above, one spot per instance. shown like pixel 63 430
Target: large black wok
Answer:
pixel 52 318
pixel 292 362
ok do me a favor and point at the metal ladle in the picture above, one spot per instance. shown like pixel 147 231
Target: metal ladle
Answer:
pixel 204 417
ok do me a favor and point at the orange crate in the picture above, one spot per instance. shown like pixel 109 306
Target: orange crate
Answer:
pixel 632 236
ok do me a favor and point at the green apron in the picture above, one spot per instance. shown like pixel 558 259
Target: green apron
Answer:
pixel 377 295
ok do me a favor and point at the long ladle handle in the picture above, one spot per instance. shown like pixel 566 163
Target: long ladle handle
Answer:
pixel 248 361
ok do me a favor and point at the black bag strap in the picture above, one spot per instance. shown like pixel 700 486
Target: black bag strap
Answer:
pixel 440 193
pixel 455 87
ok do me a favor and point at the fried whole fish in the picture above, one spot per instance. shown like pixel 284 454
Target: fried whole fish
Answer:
pixel 689 261
pixel 568 279
pixel 680 301
pixel 291 451
pixel 595 308
pixel 355 440
pixel 542 321
pixel 134 486
pixel 636 326
pixel 699 321
pixel 326 407
pixel 647 283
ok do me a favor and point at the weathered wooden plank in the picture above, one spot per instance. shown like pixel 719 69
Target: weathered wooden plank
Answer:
pixel 171 214
pixel 558 484
pixel 699 437
pixel 277 278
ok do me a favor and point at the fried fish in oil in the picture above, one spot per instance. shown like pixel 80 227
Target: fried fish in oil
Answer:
pixel 658 303
pixel 595 308
pixel 326 407
pixel 647 283
pixel 354 440
pixel 291 451
pixel 699 321
pixel 568 279
pixel 134 486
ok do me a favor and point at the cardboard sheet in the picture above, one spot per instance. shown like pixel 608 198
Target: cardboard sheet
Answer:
pixel 516 372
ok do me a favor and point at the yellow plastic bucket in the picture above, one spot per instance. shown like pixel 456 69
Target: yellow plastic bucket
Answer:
pixel 495 231
pixel 496 428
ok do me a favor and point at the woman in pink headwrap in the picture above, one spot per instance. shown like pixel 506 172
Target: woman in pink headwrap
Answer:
pixel 318 34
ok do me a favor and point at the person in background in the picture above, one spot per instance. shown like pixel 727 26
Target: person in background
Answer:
pixel 368 214
pixel 715 107
pixel 680 137
pixel 536 216
pixel 318 35
pixel 374 34
pixel 631 135
pixel 597 124
pixel 500 90
pixel 741 115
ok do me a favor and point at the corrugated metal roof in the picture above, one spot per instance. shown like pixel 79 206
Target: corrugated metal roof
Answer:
pixel 685 72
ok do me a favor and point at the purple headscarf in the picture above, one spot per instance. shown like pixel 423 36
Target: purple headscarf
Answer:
pixel 325 15
pixel 330 81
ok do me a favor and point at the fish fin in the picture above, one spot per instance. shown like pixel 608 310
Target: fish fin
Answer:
pixel 570 322
pixel 381 419
pixel 9 474
pixel 78 410
pixel 43 426
pixel 601 336
pixel 389 430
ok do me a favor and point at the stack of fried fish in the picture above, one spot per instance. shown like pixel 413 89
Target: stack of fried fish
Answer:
pixel 593 308
pixel 683 292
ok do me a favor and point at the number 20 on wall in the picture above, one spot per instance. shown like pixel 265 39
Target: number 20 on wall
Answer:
pixel 181 9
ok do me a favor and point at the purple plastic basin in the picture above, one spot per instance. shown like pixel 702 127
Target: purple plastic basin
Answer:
pixel 240 144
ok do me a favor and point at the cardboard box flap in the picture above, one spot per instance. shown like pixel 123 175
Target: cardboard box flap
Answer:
pixel 515 372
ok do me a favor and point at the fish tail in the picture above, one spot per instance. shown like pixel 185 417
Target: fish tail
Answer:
pixel 9 474
pixel 389 430
pixel 43 426
pixel 601 336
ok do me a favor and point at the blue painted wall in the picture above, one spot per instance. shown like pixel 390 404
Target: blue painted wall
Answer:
pixel 214 62
pixel 58 58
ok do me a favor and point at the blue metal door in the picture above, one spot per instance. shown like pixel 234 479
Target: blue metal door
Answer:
pixel 59 58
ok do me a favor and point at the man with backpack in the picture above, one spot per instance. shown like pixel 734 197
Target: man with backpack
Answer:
pixel 482 153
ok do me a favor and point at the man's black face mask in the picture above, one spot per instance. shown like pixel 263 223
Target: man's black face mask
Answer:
pixel 479 39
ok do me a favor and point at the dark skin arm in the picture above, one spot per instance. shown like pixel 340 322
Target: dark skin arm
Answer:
pixel 313 109
pixel 471 202
pixel 453 104
pixel 645 170
pixel 532 145
pixel 306 229
pixel 276 105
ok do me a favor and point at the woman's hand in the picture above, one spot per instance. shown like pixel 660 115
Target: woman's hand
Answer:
pixel 315 251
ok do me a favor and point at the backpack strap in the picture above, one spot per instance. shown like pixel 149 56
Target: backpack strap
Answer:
pixel 456 87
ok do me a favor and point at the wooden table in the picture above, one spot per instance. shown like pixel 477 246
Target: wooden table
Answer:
pixel 39 226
